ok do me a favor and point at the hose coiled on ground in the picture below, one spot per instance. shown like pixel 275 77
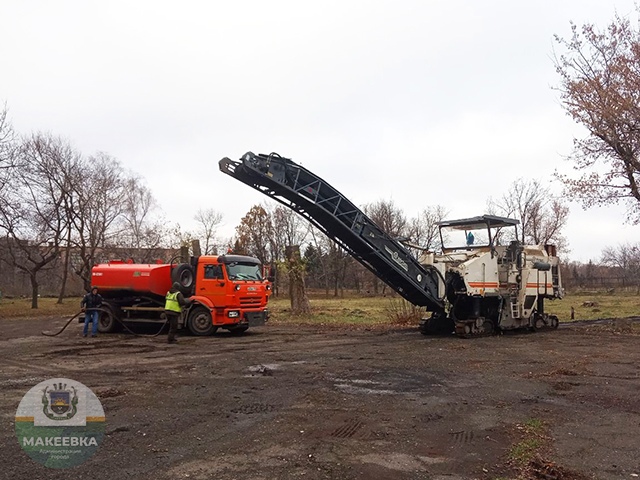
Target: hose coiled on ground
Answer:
pixel 110 313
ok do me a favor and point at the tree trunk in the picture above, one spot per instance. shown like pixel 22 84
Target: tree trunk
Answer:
pixel 65 272
pixel 276 281
pixel 297 291
pixel 34 291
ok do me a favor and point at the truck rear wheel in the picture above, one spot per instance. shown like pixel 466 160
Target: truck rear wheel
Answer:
pixel 199 322
pixel 107 321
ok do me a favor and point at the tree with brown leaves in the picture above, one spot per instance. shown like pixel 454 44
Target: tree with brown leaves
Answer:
pixel 600 90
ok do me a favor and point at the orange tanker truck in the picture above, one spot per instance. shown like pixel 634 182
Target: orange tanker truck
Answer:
pixel 227 291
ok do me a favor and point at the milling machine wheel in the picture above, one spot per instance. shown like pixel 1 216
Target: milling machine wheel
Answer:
pixel 537 323
pixel 439 325
pixel 488 327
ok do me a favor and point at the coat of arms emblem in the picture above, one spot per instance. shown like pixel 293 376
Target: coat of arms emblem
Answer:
pixel 59 403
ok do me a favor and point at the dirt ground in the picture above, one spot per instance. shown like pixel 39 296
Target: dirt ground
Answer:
pixel 312 403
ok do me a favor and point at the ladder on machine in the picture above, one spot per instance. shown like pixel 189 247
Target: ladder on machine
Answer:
pixel 515 309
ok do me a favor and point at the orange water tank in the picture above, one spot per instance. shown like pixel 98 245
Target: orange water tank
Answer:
pixel 116 278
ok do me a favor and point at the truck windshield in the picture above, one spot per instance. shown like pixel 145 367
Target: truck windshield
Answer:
pixel 243 271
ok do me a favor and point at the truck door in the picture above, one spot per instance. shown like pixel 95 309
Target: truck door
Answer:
pixel 212 284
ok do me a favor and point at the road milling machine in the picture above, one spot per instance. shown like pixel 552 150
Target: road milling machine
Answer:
pixel 483 281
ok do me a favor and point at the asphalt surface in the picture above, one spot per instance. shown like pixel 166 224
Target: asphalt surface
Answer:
pixel 301 402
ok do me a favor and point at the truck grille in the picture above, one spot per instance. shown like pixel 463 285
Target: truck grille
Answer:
pixel 250 301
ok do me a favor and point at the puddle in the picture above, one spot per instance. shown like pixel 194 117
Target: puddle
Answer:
pixel 272 366
pixel 266 369
pixel 355 389
pixel 401 461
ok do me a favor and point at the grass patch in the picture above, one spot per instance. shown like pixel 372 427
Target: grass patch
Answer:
pixel 534 425
pixel 528 457
pixel 524 451
pixel 533 438
pixel 350 310
pixel 594 305
pixel 358 310
pixel 21 307
pixel 393 310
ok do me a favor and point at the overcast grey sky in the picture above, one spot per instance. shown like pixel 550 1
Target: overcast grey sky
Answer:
pixel 422 102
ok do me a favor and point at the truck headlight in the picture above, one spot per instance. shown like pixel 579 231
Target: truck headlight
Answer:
pixel 233 314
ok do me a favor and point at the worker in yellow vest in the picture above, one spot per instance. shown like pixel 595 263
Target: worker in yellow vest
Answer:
pixel 174 301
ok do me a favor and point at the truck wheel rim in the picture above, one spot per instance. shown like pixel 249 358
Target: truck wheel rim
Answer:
pixel 201 322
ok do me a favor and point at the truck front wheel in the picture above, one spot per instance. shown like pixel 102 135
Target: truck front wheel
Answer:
pixel 200 323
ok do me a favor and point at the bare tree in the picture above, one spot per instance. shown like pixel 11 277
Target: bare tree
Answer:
pixel 388 217
pixel 625 257
pixel 393 222
pixel 542 217
pixel 209 221
pixel 98 203
pixel 548 218
pixel 33 214
pixel 424 231
pixel 600 90
pixel 69 182
pixel 289 229
pixel 8 145
pixel 331 259
pixel 177 238
pixel 140 233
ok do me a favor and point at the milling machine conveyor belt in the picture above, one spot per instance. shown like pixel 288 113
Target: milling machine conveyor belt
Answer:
pixel 332 213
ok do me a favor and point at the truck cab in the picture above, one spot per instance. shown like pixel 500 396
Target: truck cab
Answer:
pixel 228 292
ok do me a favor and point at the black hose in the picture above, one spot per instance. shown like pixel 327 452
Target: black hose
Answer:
pixel 140 334
pixel 63 328
pixel 110 313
